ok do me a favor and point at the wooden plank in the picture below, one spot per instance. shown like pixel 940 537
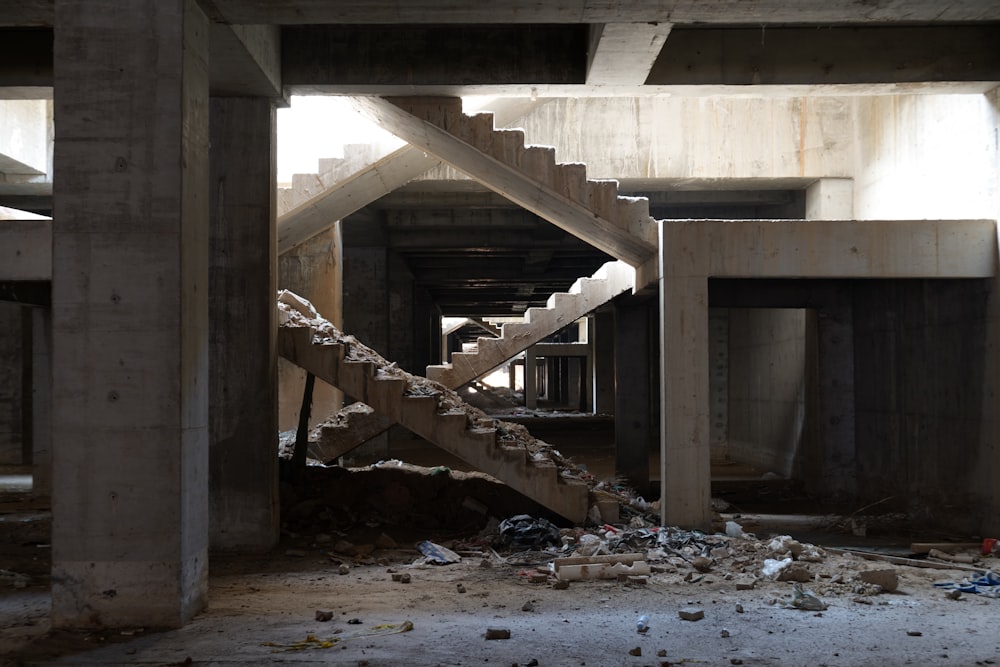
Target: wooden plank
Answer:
pixel 909 562
pixel 509 182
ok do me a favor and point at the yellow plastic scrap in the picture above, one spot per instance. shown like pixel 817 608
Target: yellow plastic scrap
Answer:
pixel 312 642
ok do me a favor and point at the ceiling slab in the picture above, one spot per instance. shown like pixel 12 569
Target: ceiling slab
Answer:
pixel 603 11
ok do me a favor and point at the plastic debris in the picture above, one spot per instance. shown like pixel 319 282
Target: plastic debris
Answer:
pixel 806 600
pixel 773 567
pixel 437 554
pixel 526 532
pixel 987 585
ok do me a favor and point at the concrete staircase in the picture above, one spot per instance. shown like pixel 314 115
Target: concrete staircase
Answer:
pixel 437 415
pixel 562 309
pixel 347 429
pixel 592 210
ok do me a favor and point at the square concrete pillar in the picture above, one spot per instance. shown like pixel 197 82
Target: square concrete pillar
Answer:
pixel 685 441
pixel 634 424
pixel 41 402
pixel 243 412
pixel 130 314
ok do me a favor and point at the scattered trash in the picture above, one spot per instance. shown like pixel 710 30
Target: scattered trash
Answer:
pixel 772 567
pixel 354 621
pixel 437 554
pixel 497 633
pixel 642 625
pixel 734 529
pixel 526 532
pixel 313 642
pixel 987 585
pixel 806 600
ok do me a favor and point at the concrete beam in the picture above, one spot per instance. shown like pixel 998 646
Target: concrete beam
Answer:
pixel 830 248
pixel 379 179
pixel 761 55
pixel 551 60
pixel 28 13
pixel 25 250
pixel 591 11
pixel 510 182
pixel 624 53
pixel 245 60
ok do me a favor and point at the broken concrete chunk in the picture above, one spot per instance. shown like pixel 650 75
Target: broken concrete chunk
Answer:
pixel 702 564
pixel 886 578
pixel 691 614
pixel 745 584
pixel 795 572
pixel 497 633
pixel 635 651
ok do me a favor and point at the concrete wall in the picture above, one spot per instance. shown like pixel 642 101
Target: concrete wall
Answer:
pixel 24 136
pixel 767 388
pixel 925 156
pixel 926 360
pixel 924 424
pixel 699 138
pixel 313 270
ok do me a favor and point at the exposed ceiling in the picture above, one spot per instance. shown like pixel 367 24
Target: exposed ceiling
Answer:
pixel 475 253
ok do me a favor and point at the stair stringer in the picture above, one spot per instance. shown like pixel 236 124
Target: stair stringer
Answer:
pixel 562 309
pixel 450 429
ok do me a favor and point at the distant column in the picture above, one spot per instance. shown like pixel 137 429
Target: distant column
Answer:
pixel 243 413
pixel 634 427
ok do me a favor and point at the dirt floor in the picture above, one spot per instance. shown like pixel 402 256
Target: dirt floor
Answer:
pixel 350 544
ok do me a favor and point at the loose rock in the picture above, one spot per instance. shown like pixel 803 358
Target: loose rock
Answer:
pixel 323 616
pixel 691 614
pixel 886 578
pixel 635 651
pixel 497 633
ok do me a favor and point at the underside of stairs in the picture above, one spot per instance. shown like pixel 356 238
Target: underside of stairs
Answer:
pixel 529 176
pixel 562 309
pixel 505 451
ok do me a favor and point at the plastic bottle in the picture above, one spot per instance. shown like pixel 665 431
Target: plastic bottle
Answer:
pixel 642 624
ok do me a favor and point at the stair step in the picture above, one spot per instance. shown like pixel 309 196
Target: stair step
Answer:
pixel 508 146
pixel 570 180
pixel 602 198
pixel 540 162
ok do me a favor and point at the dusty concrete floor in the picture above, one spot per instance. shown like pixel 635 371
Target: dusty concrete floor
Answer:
pixel 255 600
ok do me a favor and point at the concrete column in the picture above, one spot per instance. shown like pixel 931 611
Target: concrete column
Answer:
pixel 41 402
pixel 685 448
pixel 634 429
pixel 603 345
pixel 835 352
pixel 530 379
pixel 830 199
pixel 11 391
pixel 243 413
pixel 130 314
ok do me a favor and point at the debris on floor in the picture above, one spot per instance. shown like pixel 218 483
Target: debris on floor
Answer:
pixel 313 642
